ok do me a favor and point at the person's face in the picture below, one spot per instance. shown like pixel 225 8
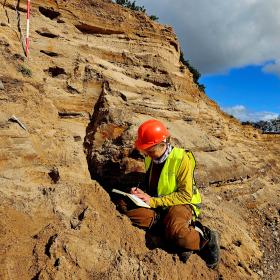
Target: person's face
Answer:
pixel 155 152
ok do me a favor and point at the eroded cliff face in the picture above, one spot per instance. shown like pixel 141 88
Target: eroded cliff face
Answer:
pixel 97 72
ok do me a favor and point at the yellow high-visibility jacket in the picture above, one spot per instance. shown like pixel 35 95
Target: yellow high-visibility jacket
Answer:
pixel 176 183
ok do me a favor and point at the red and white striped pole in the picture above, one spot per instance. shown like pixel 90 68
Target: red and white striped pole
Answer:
pixel 27 29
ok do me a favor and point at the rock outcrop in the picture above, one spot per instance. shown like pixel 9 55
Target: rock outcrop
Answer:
pixel 68 120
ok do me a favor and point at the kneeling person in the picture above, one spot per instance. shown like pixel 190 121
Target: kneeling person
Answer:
pixel 171 190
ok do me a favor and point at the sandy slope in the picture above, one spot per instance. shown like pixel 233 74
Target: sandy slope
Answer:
pixel 98 71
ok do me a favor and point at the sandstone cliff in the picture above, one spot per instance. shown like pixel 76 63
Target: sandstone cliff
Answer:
pixel 96 71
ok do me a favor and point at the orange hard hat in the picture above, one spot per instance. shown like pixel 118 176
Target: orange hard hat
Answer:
pixel 150 133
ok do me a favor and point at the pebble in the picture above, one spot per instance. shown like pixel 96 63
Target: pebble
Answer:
pixel 1 85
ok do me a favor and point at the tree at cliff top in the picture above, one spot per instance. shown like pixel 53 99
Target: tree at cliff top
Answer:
pixel 196 74
pixel 132 5
pixel 270 126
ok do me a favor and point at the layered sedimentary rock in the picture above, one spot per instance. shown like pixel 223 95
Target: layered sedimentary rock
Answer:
pixel 68 121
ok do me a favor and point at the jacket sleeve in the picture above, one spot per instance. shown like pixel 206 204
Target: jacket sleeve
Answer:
pixel 183 194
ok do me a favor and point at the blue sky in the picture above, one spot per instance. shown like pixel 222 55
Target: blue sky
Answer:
pixel 247 92
pixel 235 44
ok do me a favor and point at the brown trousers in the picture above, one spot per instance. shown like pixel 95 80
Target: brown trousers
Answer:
pixel 176 223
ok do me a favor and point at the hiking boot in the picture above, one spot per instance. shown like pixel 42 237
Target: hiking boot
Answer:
pixel 210 252
pixel 184 256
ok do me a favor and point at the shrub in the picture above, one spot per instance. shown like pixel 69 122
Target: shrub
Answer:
pixel 193 70
pixel 132 5
pixel 271 126
pixel 24 70
pixel 246 123
pixel 153 17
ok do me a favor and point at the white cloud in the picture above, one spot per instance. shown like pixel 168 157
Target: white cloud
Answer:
pixel 273 68
pixel 243 114
pixel 218 35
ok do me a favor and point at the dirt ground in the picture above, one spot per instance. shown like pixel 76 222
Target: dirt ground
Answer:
pixel 68 120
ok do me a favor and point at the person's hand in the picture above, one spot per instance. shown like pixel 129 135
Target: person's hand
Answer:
pixel 136 191
pixel 142 195
pixel 145 197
